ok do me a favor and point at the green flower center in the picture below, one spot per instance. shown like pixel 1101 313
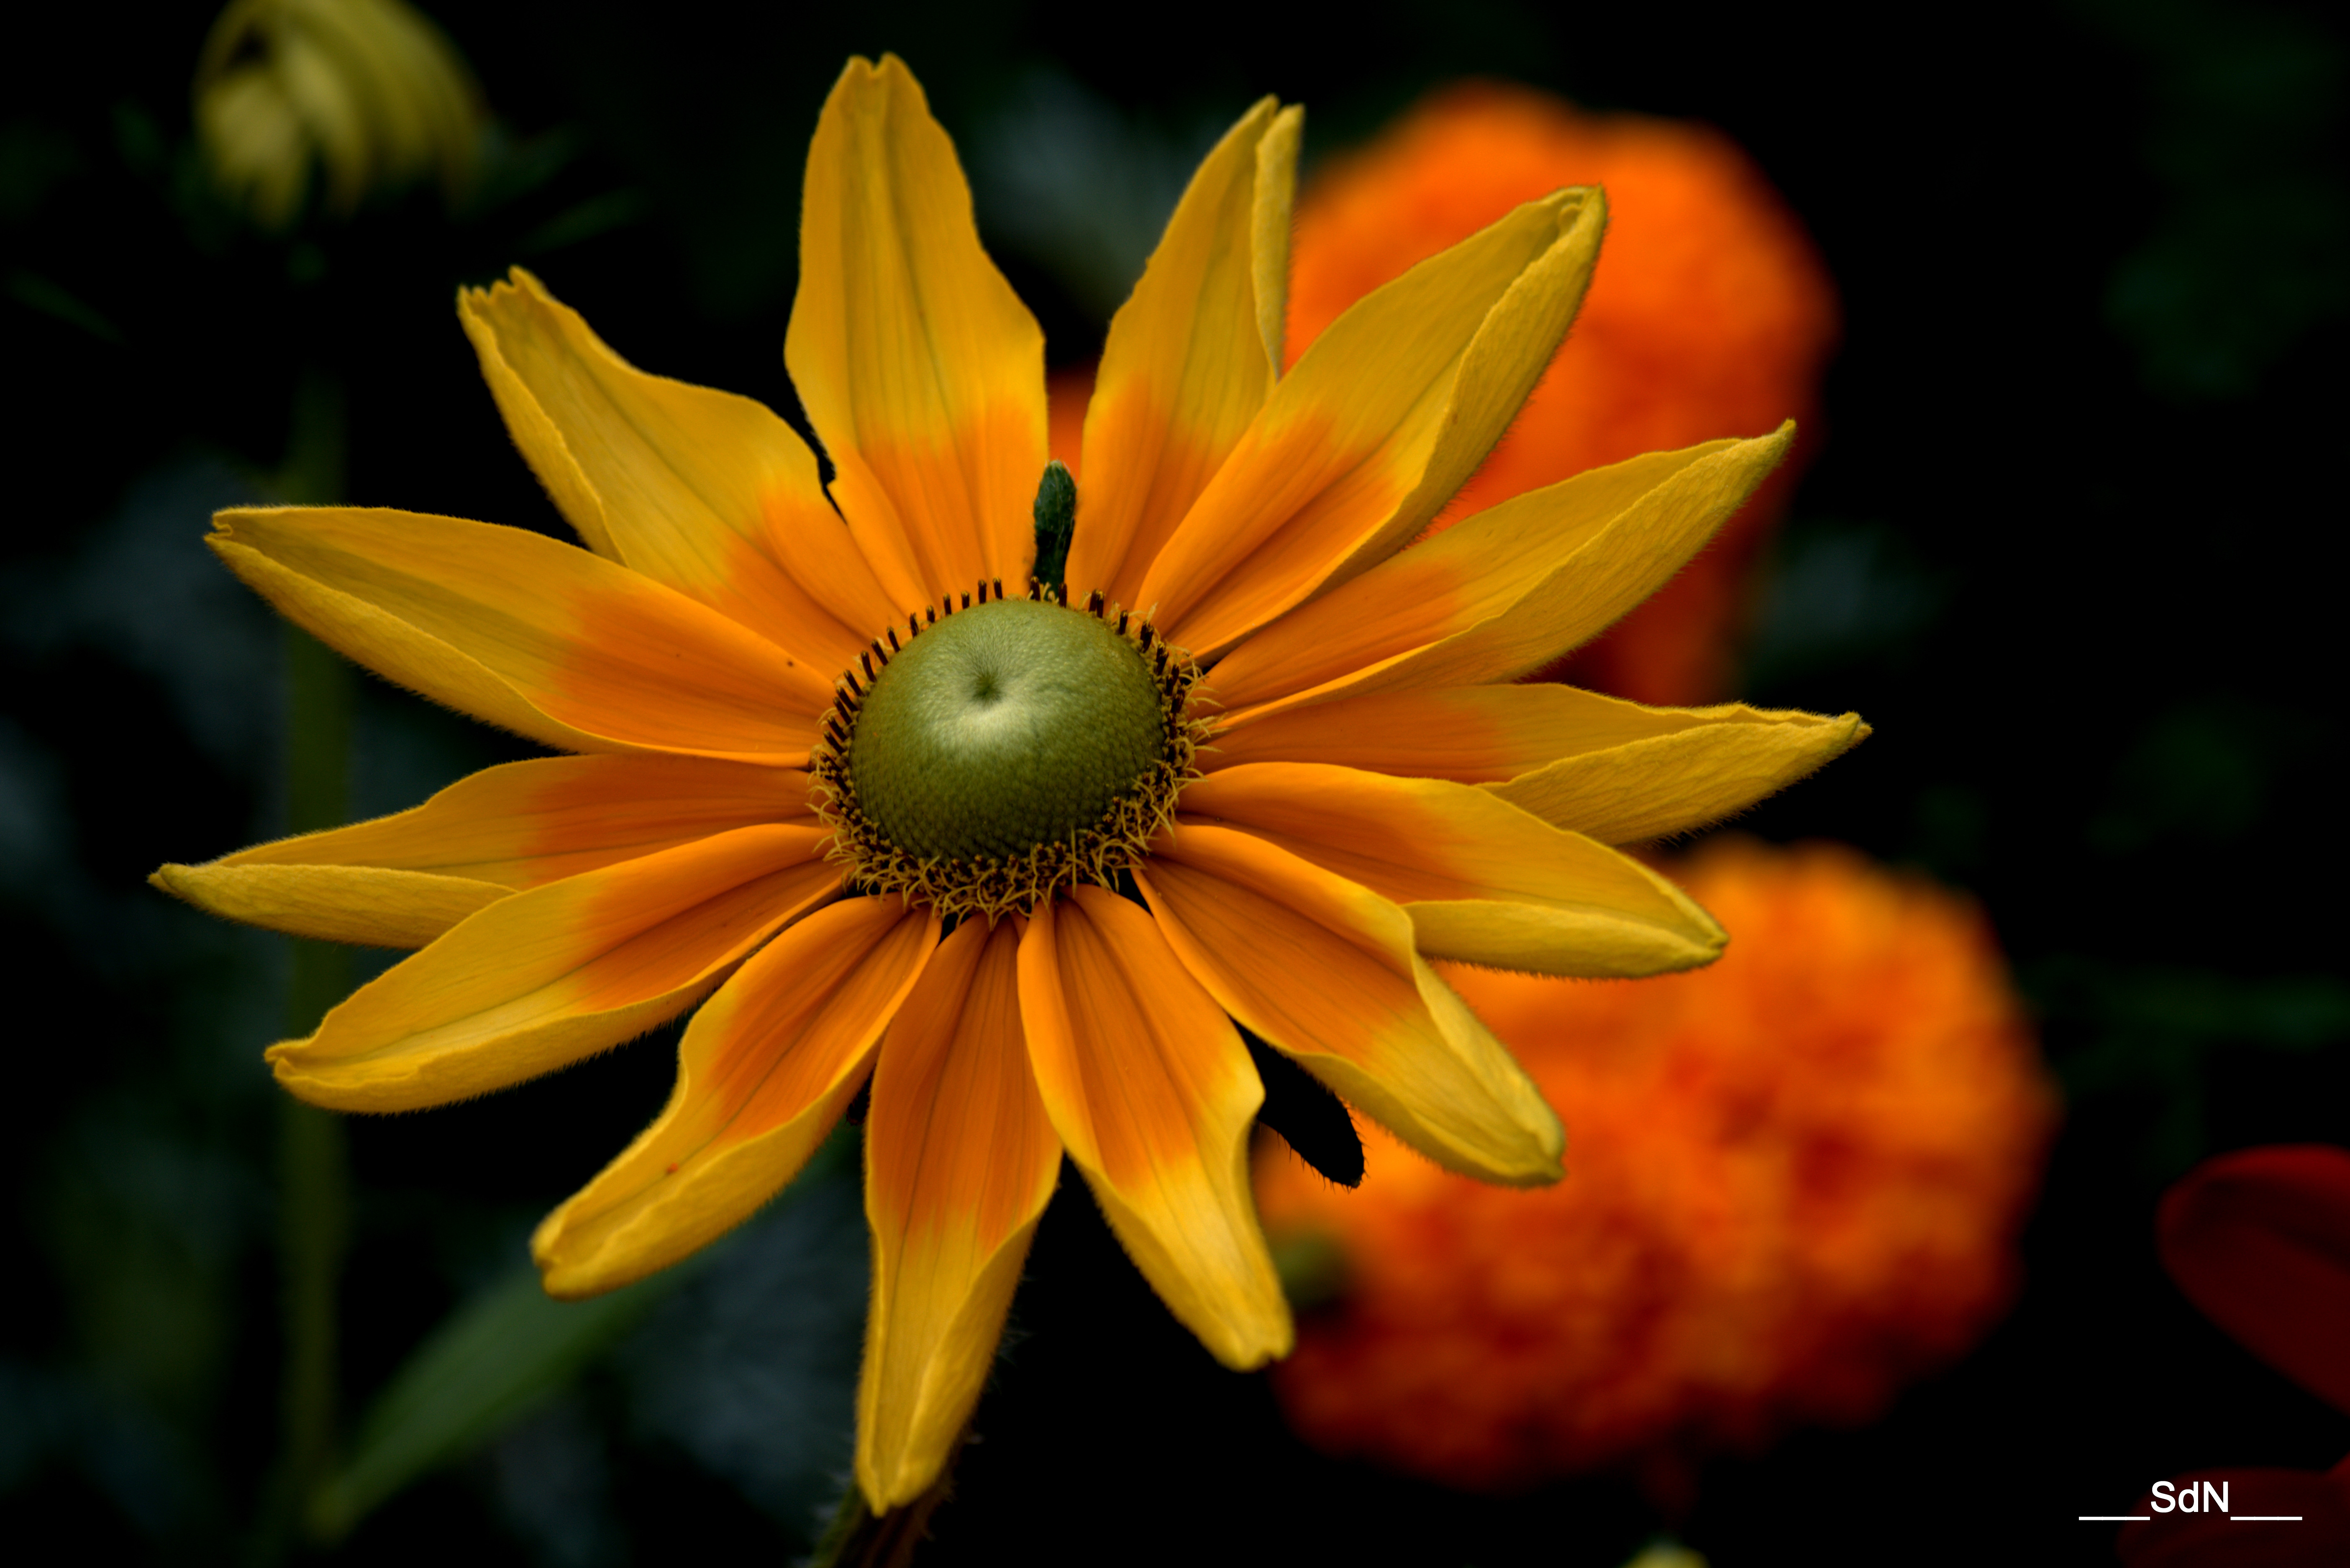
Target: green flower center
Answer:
pixel 1001 750
pixel 1007 726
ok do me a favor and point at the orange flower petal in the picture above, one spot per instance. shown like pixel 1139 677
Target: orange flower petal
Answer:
pixel 2260 1240
pixel 539 980
pixel 1190 356
pixel 960 1160
pixel 920 369
pixel 1612 770
pixel 1483 881
pixel 521 631
pixel 762 1073
pixel 1153 1095
pixel 1378 424
pixel 1325 970
pixel 701 490
pixel 1508 591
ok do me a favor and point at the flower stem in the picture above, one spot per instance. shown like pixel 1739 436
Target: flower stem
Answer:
pixel 860 1538
pixel 312 1159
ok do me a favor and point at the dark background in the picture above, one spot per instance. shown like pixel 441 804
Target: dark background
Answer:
pixel 2070 546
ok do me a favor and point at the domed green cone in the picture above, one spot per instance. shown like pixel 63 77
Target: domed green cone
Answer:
pixel 1002 727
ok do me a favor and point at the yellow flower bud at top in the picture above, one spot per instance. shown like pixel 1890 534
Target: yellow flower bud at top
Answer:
pixel 370 89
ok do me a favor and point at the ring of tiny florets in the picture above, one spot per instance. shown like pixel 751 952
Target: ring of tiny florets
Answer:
pixel 991 886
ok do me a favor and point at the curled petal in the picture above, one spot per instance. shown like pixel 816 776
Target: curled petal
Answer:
pixel 1508 591
pixel 2260 1240
pixel 960 1161
pixel 1377 424
pixel 519 630
pixel 1325 970
pixel 920 369
pixel 703 491
pixel 1190 356
pixel 762 1073
pixel 539 980
pixel 1483 881
pixel 1153 1095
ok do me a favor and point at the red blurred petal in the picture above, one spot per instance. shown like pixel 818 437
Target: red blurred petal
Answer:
pixel 2321 1538
pixel 2259 1240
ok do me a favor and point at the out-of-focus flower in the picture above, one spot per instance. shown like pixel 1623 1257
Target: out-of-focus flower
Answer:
pixel 2260 1240
pixel 369 90
pixel 1713 314
pixel 896 856
pixel 1794 1182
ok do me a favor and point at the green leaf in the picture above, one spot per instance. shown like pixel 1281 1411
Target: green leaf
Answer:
pixel 488 1365
pixel 493 1361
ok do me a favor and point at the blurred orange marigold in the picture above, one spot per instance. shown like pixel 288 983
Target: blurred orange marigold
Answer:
pixel 1711 313
pixel 1794 1182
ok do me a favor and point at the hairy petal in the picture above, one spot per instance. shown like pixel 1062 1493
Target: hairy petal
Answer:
pixel 539 980
pixel 1153 1095
pixel 1611 770
pixel 1508 591
pixel 1483 881
pixel 399 882
pixel 701 490
pixel 960 1160
pixel 521 631
pixel 762 1073
pixel 1325 970
pixel 920 369
pixel 1191 357
pixel 1378 425
pixel 364 905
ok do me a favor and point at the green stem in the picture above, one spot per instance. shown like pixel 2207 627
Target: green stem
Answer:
pixel 860 1538
pixel 313 1158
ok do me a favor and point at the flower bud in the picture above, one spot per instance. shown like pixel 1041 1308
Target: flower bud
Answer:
pixel 369 90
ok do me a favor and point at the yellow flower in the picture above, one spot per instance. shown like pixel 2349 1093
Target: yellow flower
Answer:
pixel 851 772
pixel 369 88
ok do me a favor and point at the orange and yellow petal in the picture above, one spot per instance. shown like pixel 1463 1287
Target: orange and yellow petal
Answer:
pixel 920 369
pixel 1378 426
pixel 1191 357
pixel 1483 881
pixel 1713 312
pixel 1611 770
pixel 521 631
pixel 1685 779
pixel 1153 1095
pixel 539 980
pixel 960 1160
pixel 704 491
pixel 1509 589
pixel 762 1073
pixel 366 906
pixel 399 882
pixel 1326 970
